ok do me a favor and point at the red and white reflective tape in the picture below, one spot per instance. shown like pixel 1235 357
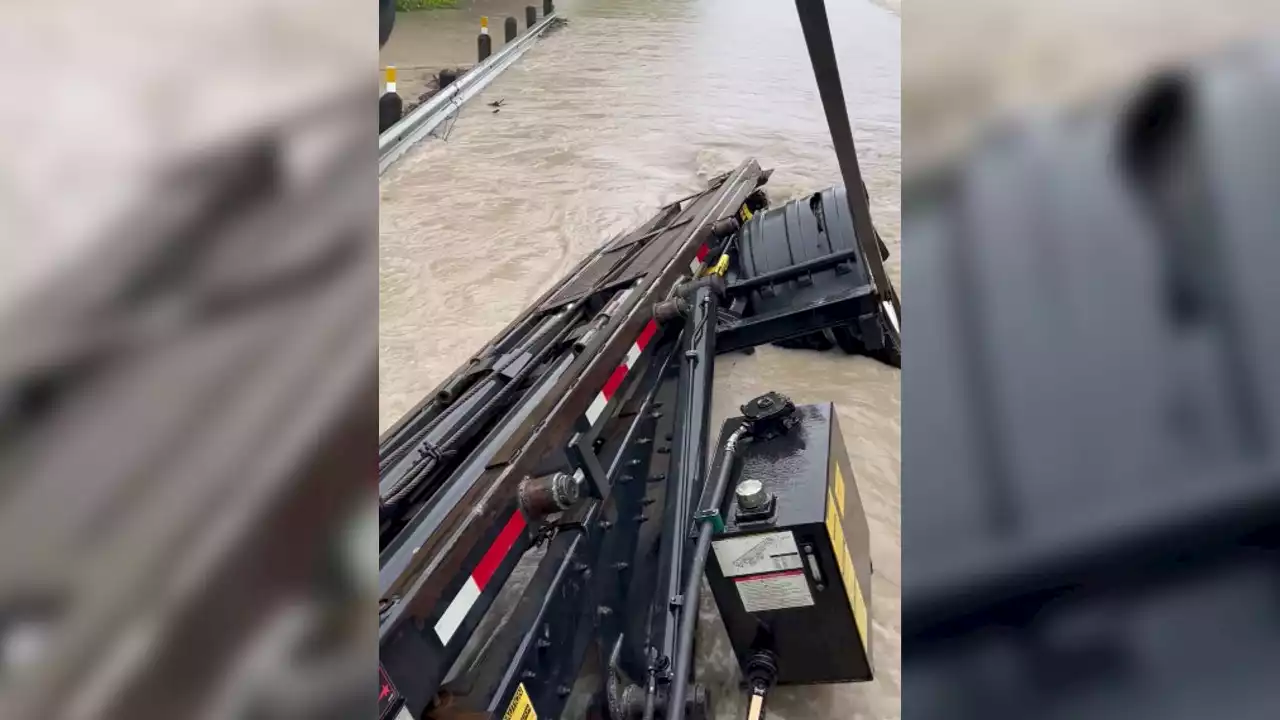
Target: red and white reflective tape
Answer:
pixel 700 260
pixel 466 598
pixel 601 400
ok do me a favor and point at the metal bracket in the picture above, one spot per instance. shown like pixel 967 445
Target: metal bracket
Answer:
pixel 512 364
pixel 583 457
pixel 548 533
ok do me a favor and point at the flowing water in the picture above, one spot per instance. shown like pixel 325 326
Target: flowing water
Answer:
pixel 630 105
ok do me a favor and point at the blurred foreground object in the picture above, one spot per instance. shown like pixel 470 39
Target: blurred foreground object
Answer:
pixel 188 390
pixel 1092 447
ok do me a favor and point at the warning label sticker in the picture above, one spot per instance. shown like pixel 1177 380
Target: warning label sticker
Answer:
pixel 521 707
pixel 775 591
pixel 753 554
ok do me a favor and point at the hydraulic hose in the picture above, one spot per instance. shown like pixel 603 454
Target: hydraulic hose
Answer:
pixel 693 585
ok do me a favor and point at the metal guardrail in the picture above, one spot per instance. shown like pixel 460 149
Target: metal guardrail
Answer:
pixel 397 140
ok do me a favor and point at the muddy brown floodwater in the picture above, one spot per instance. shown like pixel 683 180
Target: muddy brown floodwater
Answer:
pixel 630 105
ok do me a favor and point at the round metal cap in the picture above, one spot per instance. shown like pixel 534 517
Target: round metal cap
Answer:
pixel 567 490
pixel 751 495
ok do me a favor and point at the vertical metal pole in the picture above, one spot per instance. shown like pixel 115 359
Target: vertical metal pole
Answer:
pixel 822 55
pixel 688 460
pixel 530 16
pixel 509 28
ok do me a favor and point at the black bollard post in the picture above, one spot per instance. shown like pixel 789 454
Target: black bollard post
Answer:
pixel 530 16
pixel 510 27
pixel 446 78
pixel 390 105
pixel 390 110
pixel 484 46
pixel 547 7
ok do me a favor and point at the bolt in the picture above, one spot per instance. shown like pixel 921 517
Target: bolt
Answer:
pixel 543 643
pixel 691 354
pixel 658 478
pixel 641 518
pixel 621 565
pixel 528 674
pixel 604 611
pixel 644 441
pixel 635 461
pixel 605 524
pixel 625 479
pixel 563 690
pixel 580 566
pixel 765 402
pixel 664 450
pixel 655 414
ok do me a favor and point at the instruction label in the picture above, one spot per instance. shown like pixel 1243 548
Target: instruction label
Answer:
pixel 521 707
pixel 754 554
pixel 774 591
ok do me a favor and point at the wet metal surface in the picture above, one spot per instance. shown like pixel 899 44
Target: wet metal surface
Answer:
pixel 629 106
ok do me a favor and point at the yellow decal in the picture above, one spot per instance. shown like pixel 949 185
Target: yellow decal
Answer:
pixel 844 560
pixel 745 213
pixel 521 707
pixel 859 605
pixel 837 487
pixel 834 529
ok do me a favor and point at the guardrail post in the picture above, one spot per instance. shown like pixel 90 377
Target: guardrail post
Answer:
pixel 510 27
pixel 390 105
pixel 548 7
pixel 530 16
pixel 484 43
